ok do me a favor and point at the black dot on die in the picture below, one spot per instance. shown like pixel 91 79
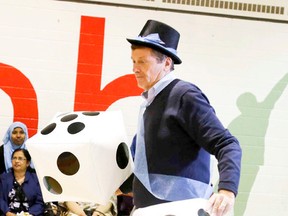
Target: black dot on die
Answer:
pixel 75 127
pixel 69 117
pixel 48 129
pixel 52 185
pixel 122 155
pixel 68 163
pixel 91 113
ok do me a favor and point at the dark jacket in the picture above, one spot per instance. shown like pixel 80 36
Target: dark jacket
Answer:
pixel 2 162
pixel 31 188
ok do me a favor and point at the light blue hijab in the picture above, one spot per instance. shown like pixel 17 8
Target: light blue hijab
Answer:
pixel 9 146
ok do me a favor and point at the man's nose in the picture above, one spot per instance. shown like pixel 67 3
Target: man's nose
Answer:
pixel 135 68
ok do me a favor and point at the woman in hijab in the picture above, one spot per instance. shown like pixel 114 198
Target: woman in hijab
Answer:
pixel 15 138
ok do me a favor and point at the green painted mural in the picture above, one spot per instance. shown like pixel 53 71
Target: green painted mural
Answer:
pixel 250 128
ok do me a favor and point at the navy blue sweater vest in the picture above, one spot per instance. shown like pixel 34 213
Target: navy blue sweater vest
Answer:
pixel 181 129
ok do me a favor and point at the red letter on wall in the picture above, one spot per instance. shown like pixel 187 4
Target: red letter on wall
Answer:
pixel 22 95
pixel 88 95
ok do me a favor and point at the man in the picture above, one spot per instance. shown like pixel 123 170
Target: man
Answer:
pixel 177 131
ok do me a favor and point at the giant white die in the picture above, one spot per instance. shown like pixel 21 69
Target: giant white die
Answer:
pixel 192 207
pixel 81 156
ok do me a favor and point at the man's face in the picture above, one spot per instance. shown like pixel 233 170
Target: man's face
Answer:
pixel 147 68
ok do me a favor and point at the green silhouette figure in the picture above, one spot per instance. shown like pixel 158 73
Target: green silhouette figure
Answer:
pixel 250 128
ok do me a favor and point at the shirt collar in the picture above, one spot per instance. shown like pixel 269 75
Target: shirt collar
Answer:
pixel 158 87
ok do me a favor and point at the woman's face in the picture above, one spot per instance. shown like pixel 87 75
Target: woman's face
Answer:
pixel 19 161
pixel 18 136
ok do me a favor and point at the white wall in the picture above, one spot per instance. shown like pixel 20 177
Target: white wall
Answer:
pixel 225 57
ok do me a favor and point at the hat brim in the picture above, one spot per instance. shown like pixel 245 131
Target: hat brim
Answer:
pixel 157 47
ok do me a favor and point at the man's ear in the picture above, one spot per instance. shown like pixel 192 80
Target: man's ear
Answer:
pixel 168 63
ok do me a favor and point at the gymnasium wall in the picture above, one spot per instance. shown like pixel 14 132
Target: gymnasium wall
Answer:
pixel 63 56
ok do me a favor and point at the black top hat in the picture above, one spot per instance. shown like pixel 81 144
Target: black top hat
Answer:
pixel 160 37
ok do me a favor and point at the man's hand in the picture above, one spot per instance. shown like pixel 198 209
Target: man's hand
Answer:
pixel 221 203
